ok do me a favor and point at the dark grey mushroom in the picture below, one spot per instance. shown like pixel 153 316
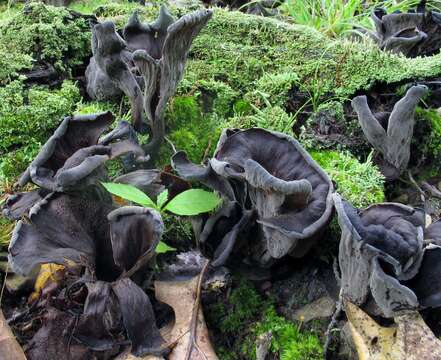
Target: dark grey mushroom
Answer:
pixel 158 51
pixel 412 34
pixel 270 175
pixel 19 204
pixel 392 141
pixel 133 230
pixel 60 228
pixel 72 157
pixel 383 257
pixel 398 32
pixel 108 242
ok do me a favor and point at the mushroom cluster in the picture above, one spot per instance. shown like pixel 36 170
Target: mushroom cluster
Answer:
pixel 69 221
pixel 146 64
pixel 389 260
pixel 277 199
pixel 412 34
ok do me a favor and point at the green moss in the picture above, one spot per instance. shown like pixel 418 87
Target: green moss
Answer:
pixel 360 183
pixel 49 34
pixel 28 116
pixel 238 49
pixel 94 107
pixel 289 342
pixel 190 129
pixel 273 87
pixel 245 316
pixel 271 118
pixel 428 132
pixel 242 107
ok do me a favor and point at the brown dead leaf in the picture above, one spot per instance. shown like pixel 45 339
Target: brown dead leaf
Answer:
pixel 409 339
pixel 182 297
pixel 126 355
pixel 10 349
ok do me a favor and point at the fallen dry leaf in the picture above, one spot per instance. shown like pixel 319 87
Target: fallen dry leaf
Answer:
pixel 10 349
pixel 182 297
pixel 49 273
pixel 409 339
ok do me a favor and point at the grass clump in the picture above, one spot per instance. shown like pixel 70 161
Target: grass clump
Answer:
pixel 360 183
pixel 28 118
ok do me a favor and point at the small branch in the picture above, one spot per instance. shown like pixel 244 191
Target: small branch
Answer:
pixel 331 326
pixel 415 184
pixel 139 264
pixel 194 318
pixel 171 144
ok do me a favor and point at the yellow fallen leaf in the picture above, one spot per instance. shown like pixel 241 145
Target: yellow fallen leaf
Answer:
pixel 49 273
pixel 408 339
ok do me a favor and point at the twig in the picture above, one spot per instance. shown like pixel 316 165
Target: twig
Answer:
pixel 139 263
pixel 414 183
pixel 4 283
pixel 194 316
pixel 171 144
pixel 336 271
pixel 331 325
pixel 207 150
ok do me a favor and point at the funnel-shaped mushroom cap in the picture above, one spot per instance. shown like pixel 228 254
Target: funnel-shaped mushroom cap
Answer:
pixel 382 253
pixel 72 158
pixel 392 141
pixel 134 231
pixel 288 189
pixel 398 32
pixel 148 37
pixel 19 204
pixel 276 185
pixel 62 228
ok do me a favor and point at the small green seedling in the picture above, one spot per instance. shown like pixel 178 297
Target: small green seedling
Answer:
pixel 187 203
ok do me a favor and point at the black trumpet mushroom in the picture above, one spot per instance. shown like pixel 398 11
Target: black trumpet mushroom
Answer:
pixel 70 221
pixel 277 199
pixel 73 157
pixel 393 139
pixel 388 261
pixel 412 34
pixel 146 64
pixel 107 242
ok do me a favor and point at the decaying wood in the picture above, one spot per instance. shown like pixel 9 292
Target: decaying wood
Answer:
pixel 9 347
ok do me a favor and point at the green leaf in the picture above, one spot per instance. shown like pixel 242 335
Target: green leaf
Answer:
pixel 193 202
pixel 130 193
pixel 163 248
pixel 162 198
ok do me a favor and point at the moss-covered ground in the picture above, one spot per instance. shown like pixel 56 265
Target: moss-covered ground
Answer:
pixel 242 72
